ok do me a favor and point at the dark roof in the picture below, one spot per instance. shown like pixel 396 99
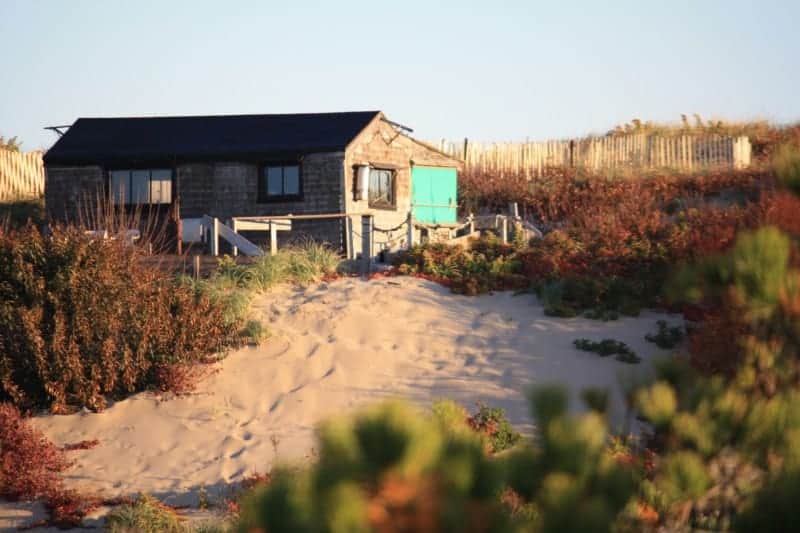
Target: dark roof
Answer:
pixel 150 139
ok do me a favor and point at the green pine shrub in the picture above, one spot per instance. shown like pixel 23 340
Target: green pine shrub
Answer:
pixel 568 475
pixel 390 466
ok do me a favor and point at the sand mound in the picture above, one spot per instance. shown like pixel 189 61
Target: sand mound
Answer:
pixel 334 347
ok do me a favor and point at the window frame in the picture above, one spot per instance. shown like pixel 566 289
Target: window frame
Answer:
pixel 130 170
pixel 392 205
pixel 263 196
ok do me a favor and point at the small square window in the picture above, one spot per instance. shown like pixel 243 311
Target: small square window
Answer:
pixel 280 182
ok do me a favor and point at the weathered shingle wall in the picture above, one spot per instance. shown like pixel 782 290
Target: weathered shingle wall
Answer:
pixel 71 192
pixel 227 190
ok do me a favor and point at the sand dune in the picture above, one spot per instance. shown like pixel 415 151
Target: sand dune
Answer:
pixel 334 347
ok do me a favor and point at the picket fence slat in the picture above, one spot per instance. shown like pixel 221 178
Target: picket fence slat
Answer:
pixel 639 152
pixel 21 175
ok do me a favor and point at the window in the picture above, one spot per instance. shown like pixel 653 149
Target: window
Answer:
pixel 381 188
pixel 280 182
pixel 133 187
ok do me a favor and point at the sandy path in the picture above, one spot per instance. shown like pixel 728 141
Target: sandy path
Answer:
pixel 336 346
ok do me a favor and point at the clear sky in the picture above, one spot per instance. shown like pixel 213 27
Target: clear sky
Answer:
pixel 485 70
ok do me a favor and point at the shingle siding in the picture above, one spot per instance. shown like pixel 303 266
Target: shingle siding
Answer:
pixel 226 190
pixel 71 192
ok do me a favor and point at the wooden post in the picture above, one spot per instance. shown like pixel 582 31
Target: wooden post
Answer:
pixel 196 263
pixel 466 144
pixel 471 223
pixel 273 238
pixel 215 236
pixel 505 230
pixel 348 238
pixel 235 250
pixel 410 229
pixel 366 241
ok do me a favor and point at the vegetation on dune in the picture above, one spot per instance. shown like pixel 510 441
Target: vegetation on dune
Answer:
pixel 145 515
pixel 301 264
pixel 721 451
pixel 81 320
pixel 30 465
pixel 392 466
pixel 666 336
pixel 488 265
pixel 721 454
pixel 31 468
pixel 607 347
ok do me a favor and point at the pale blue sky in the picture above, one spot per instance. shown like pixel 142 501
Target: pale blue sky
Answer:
pixel 485 70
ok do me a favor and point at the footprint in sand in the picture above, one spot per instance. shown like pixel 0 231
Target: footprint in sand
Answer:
pixel 313 351
pixel 277 403
pixel 237 453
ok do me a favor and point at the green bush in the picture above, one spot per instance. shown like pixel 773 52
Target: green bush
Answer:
pixel 667 337
pixel 82 319
pixel 255 332
pixel 607 347
pixel 487 265
pixel 492 422
pixel 144 515
pixel 569 476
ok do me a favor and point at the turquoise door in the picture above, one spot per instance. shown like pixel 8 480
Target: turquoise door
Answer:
pixel 433 194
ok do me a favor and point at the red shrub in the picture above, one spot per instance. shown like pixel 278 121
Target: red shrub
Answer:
pixel 30 465
pixel 714 343
pixel 562 193
pixel 68 508
pixel 82 319
pixel 783 211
